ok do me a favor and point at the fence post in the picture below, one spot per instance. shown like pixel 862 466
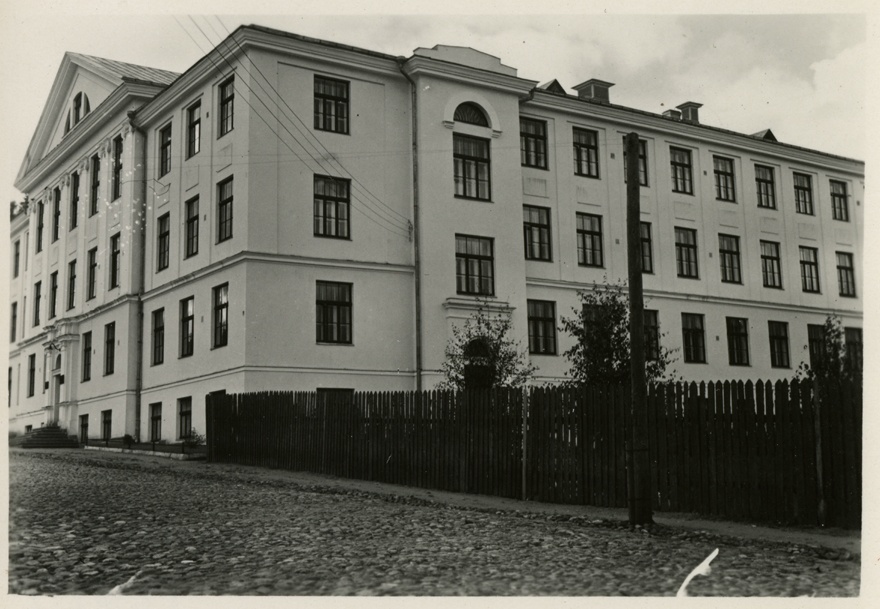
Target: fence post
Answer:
pixel 525 394
pixel 817 424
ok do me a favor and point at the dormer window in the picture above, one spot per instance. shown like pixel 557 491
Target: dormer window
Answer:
pixel 472 114
pixel 78 112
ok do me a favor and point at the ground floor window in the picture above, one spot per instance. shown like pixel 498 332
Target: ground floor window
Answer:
pixel 106 424
pixel 184 417
pixel 155 422
pixel 84 429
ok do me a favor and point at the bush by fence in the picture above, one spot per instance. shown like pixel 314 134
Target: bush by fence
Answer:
pixel 761 452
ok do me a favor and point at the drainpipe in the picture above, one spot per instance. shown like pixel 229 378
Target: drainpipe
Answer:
pixel 415 193
pixel 139 189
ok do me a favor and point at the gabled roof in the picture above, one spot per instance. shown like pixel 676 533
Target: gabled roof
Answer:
pixel 127 71
pixel 553 87
pixel 766 134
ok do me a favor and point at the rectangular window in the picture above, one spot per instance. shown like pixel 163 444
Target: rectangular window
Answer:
pixel 331 105
pixel 74 200
pixel 474 265
pixel 586 152
pixel 40 219
pixel 682 180
pixel 56 214
pixel 187 326
pixel 643 162
pixel 165 151
pixel 106 424
pixel 803 194
pixel 766 186
pixel 155 422
pixel 224 209
pixel 839 205
pixel 724 187
pixel 778 331
pixel 846 274
pixel 86 357
pixel 536 233
pixel 191 245
pixel 771 265
pixel 92 277
pixel 227 106
pixel 38 287
pixel 116 183
pixel 114 261
pixel 686 252
pixel 109 348
pixel 32 374
pixel 16 258
pixel 533 143
pixel 853 354
pixel 13 322
pixel 728 252
pixel 333 312
pixel 738 341
pixel 542 327
pixel 71 284
pixel 94 184
pixel 158 347
pixel 193 129
pixel 163 245
pixel 471 159
pixel 184 417
pixel 809 269
pixel 332 208
pixel 589 240
pixel 816 344
pixel 652 335
pixel 53 294
pixel 83 429
pixel 694 339
pixel 647 247
pixel 221 315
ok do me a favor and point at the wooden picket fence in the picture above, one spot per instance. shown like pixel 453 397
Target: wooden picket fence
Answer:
pixel 749 451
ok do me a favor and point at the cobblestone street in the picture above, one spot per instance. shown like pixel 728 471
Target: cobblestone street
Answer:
pixel 83 524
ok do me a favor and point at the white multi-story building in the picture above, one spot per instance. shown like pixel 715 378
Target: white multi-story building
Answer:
pixel 292 213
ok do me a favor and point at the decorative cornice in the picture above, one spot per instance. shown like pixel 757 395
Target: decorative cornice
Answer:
pixel 420 65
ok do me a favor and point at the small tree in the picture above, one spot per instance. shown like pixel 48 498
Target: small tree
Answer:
pixel 482 352
pixel 830 361
pixel 601 353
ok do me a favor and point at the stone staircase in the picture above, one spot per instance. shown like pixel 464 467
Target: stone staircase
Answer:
pixel 49 437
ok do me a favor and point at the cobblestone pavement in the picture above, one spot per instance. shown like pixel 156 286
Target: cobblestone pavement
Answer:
pixel 83 525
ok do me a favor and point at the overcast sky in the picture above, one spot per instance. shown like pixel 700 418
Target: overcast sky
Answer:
pixel 803 76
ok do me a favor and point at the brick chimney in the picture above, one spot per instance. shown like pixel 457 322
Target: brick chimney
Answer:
pixel 594 89
pixel 690 112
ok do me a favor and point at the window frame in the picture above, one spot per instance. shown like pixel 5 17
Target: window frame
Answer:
pixel 647 247
pixel 71 284
pixel 686 254
pixel 116 177
pixel 193 129
pixel 109 348
pixel 157 337
pixel 94 184
pixel 184 418
pixel 53 295
pixel 115 254
pixel 765 188
pixel 737 341
pixel 682 171
pixel 56 214
pixel 590 240
pixel 165 150
pixel 13 321
pixel 537 236
pixel 643 162
pixel 92 274
pixel 163 242
pixel 816 344
pixel 780 354
pixel 803 193
pixel 854 348
pixel 729 259
pixel 809 270
pixel 693 338
pixel 106 424
pixel 533 150
pixel 187 327
pixel 32 375
pixel 335 225
pixel 226 106
pixel 651 322
pixel 465 164
pixel 771 265
pixel 73 221
pixel 225 209
pixel 41 211
pixel 220 316
pixel 334 317
pixel 16 258
pixel 542 327
pixel 191 227
pixel 335 121
pixel 156 422
pixel 585 144
pixel 839 201
pixel 86 357
pixel 846 274
pixel 38 298
pixel 725 178
pixel 463 261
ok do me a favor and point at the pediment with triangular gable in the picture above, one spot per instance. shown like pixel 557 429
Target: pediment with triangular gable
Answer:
pixel 466 56
pixel 81 85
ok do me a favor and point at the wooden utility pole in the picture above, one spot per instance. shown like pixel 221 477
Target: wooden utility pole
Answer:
pixel 639 470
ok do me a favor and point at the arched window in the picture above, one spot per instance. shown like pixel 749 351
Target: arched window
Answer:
pixel 478 371
pixel 78 111
pixel 472 114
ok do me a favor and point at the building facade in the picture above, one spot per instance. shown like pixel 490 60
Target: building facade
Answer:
pixel 291 213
